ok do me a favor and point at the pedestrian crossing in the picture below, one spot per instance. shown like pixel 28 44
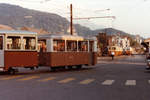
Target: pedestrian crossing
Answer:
pixel 28 78
pixel 59 80
pixel 108 82
pixel 66 80
pixel 87 81
pixel 47 79
pixel 11 77
pixel 130 83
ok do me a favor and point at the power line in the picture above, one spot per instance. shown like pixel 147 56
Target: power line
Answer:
pixel 35 1
pixel 80 18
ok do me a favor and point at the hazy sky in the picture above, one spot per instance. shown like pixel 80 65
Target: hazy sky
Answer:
pixel 132 16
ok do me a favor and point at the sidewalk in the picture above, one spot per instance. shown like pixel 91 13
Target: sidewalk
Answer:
pixel 110 58
pixel 124 59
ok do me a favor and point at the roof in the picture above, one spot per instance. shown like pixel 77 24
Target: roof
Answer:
pixel 66 37
pixel 5 27
pixel 147 40
pixel 16 32
pixel 38 31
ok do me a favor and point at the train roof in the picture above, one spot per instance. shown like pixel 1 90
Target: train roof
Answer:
pixel 65 37
pixel 17 32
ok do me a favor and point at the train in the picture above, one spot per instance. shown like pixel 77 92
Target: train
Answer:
pixel 118 51
pixel 24 49
pixel 128 51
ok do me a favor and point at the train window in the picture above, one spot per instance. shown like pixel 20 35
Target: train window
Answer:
pixel 91 46
pixel 83 46
pixel 1 42
pixel 13 42
pixel 42 45
pixel 59 45
pixel 71 45
pixel 113 48
pixel 29 43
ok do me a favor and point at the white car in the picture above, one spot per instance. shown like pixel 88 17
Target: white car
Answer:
pixel 148 64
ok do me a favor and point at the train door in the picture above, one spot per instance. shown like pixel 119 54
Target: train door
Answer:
pixel 1 51
pixel 91 49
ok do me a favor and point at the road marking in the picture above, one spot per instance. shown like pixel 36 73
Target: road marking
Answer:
pixel 47 79
pixel 29 78
pixel 108 82
pixel 66 80
pixel 149 81
pixel 130 82
pixel 87 81
pixel 11 77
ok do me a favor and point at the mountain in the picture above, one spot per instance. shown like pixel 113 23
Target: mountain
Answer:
pixel 5 27
pixel 111 31
pixel 16 17
pixel 22 18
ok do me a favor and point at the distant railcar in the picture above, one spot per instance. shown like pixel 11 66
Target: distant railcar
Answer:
pixel 128 51
pixel 17 49
pixel 66 50
pixel 116 49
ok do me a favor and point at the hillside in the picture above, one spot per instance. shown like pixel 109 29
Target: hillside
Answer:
pixel 111 31
pixel 18 17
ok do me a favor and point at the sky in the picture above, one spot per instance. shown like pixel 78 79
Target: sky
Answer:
pixel 132 16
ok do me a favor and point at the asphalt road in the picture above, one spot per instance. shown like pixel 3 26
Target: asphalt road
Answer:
pixel 123 78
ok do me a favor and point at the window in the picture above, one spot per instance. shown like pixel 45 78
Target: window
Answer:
pixel 83 46
pixel 59 45
pixel 91 46
pixel 13 42
pixel 42 45
pixel 29 43
pixel 1 42
pixel 113 48
pixel 71 45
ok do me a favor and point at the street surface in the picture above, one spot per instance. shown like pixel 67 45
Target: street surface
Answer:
pixel 123 78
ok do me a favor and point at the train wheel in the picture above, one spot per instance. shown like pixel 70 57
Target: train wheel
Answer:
pixel 32 68
pixel 63 67
pixel 79 66
pixel 12 71
pixel 53 69
pixel 69 67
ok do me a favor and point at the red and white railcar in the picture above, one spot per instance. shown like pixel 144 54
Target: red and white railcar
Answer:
pixel 17 49
pixel 67 50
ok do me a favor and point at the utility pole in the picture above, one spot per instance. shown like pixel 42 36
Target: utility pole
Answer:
pixel 71 21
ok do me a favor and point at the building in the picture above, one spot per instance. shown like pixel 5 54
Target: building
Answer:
pixel 114 40
pixel 138 39
pixel 102 42
pixel 125 43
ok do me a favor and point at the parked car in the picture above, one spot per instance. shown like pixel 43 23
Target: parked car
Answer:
pixel 148 62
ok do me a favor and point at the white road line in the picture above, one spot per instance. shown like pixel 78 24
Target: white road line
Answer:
pixel 87 81
pixel 28 78
pixel 66 80
pixel 149 81
pixel 11 77
pixel 47 79
pixel 130 82
pixel 108 82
